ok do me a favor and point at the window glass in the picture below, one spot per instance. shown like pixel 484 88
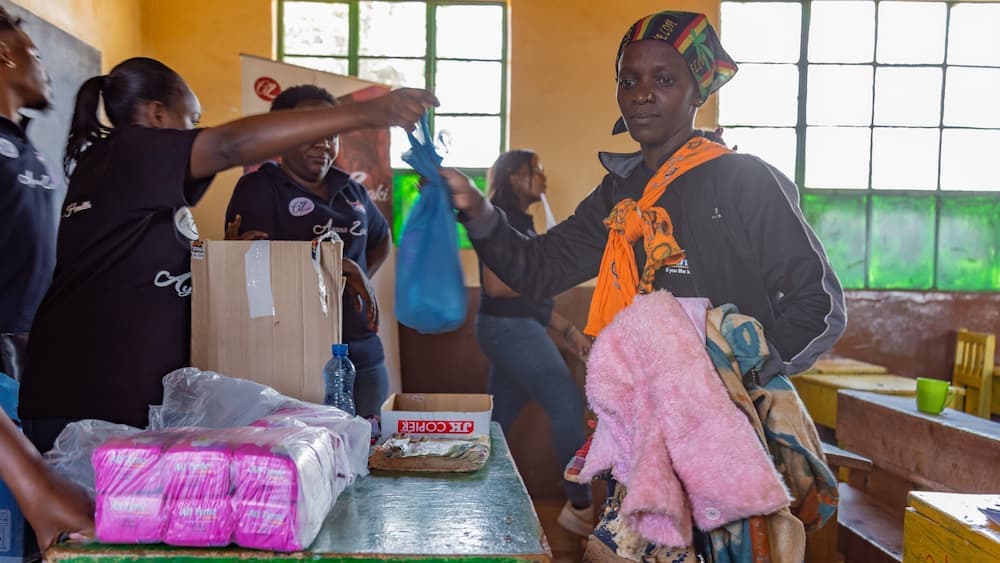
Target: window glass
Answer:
pixel 315 28
pixel 393 29
pixel 842 32
pixel 474 140
pixel 746 40
pixel 470 32
pixel 394 72
pixel 760 95
pixel 905 158
pixel 973 37
pixel 972 97
pixel 468 87
pixel 902 242
pixel 911 32
pixel 839 95
pixel 837 157
pixel 908 96
pixel 326 64
pixel 967 159
pixel 969 243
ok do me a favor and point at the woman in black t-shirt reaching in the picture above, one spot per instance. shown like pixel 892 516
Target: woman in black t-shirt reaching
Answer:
pixel 117 315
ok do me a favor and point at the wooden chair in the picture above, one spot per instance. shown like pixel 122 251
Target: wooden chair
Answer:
pixel 973 371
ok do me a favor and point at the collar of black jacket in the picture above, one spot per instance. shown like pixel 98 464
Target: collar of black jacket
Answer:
pixel 620 164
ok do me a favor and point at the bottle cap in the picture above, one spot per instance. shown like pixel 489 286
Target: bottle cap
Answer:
pixel 339 350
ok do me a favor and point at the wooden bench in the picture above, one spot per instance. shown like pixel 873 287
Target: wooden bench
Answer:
pixel 909 450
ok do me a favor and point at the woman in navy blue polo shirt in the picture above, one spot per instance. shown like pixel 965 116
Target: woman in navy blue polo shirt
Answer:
pixel 511 327
pixel 305 197
pixel 117 316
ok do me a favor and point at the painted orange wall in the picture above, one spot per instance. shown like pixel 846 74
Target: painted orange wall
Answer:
pixel 202 41
pixel 110 26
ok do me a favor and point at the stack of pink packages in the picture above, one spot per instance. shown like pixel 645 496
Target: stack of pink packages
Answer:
pixel 263 488
pixel 349 439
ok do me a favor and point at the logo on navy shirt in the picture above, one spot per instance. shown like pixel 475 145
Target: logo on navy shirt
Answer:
pixel 181 283
pixel 357 206
pixel 77 207
pixel 28 179
pixel 301 206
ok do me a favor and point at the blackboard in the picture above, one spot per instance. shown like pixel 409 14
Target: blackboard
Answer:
pixel 69 61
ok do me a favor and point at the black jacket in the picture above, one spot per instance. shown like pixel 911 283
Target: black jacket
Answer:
pixel 737 218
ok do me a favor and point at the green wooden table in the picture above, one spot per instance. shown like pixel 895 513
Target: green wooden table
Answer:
pixel 481 516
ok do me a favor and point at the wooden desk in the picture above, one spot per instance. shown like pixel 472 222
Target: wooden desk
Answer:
pixel 949 527
pixel 819 391
pixel 909 450
pixel 952 451
pixel 845 366
pixel 405 517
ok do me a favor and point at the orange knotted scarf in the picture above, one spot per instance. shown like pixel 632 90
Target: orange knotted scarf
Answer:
pixel 618 279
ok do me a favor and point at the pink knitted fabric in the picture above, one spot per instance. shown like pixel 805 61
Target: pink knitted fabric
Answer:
pixel 668 430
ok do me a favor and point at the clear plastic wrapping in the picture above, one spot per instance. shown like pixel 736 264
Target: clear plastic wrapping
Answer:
pixel 262 488
pixel 71 453
pixel 192 397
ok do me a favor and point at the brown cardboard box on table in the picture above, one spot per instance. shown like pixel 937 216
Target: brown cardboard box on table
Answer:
pixel 257 312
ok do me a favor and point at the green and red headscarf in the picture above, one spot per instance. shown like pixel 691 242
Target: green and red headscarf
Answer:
pixel 696 41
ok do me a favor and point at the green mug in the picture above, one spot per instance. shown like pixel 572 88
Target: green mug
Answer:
pixel 933 395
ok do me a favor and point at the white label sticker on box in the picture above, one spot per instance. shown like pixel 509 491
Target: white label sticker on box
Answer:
pixel 257 267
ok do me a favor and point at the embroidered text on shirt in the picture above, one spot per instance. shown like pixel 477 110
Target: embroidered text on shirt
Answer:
pixel 181 283
pixel 355 229
pixel 28 179
pixel 77 207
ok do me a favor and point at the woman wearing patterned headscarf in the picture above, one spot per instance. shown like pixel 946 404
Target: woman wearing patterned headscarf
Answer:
pixel 683 214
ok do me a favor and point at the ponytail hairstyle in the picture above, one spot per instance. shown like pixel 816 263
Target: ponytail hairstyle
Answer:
pixel 133 82
pixel 501 191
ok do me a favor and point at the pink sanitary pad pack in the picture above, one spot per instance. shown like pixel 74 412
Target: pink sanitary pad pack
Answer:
pixel 129 481
pixel 284 479
pixel 197 490
pixel 265 488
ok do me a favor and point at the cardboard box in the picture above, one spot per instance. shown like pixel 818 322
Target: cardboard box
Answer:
pixel 437 414
pixel 257 312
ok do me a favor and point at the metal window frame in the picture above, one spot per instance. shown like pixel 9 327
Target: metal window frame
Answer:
pixel 429 58
pixel 801 126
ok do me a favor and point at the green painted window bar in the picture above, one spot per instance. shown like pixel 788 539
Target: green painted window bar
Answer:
pixel 457 49
pixel 885 113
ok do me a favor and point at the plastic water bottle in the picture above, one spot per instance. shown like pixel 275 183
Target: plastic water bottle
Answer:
pixel 339 376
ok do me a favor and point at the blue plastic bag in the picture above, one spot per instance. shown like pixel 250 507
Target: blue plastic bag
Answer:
pixel 430 289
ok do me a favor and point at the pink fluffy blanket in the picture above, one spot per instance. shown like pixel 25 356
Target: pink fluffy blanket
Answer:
pixel 668 430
